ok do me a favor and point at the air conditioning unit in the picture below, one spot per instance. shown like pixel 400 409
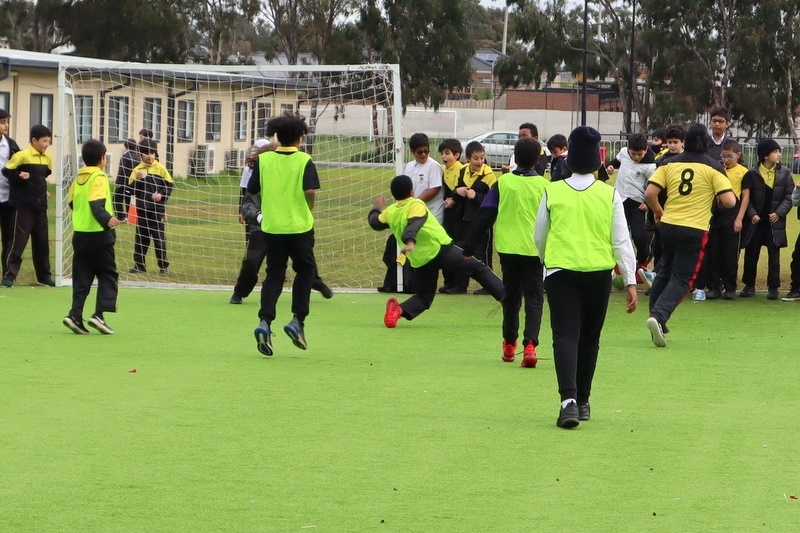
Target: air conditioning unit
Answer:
pixel 201 161
pixel 234 159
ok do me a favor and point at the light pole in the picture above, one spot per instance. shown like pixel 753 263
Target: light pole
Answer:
pixel 494 100
pixel 585 59
pixel 632 86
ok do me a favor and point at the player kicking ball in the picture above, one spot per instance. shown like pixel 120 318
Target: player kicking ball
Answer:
pixel 427 247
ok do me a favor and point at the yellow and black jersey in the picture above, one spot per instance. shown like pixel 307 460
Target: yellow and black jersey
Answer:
pixel 31 192
pixel 691 182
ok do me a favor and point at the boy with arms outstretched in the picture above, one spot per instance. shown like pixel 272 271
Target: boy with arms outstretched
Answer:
pixel 93 238
pixel 427 247
pixel 511 206
pixel 287 180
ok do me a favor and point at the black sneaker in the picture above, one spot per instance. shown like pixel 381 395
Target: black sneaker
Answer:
pixel 295 331
pixel 569 416
pixel 164 271
pixel 137 270
pixel 100 325
pixel 235 299
pixel 772 294
pixel 713 294
pixel 656 332
pixel 748 292
pixel 8 282
pixel 75 325
pixel 49 282
pixel 792 296
pixel 729 295
pixel 482 292
pixel 584 411
pixel 263 338
pixel 326 291
pixel 456 290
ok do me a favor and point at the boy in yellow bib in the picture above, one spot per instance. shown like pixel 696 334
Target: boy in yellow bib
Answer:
pixel 93 239
pixel 427 247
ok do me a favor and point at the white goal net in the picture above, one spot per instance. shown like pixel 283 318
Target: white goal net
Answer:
pixel 204 120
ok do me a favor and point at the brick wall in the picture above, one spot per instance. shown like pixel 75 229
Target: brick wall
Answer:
pixel 550 99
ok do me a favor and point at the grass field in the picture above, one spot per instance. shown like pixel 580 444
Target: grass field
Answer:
pixel 418 429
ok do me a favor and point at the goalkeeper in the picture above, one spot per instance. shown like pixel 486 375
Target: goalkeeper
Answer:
pixel 287 180
pixel 427 247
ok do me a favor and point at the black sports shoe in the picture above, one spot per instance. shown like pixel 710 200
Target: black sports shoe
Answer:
pixel 75 325
pixel 729 295
pixel 772 294
pixel 456 290
pixel 137 270
pixel 100 325
pixel 569 416
pixel 326 291
pixel 49 282
pixel 713 294
pixel 482 292
pixel 584 411
pixel 263 338
pixel 748 292
pixel 235 299
pixel 792 296
pixel 295 331
pixel 164 271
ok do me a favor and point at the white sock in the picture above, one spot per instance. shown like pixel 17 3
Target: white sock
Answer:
pixel 567 402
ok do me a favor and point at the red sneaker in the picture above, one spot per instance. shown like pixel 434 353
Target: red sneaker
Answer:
pixel 509 350
pixel 393 313
pixel 529 358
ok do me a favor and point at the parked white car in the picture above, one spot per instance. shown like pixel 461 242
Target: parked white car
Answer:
pixel 499 146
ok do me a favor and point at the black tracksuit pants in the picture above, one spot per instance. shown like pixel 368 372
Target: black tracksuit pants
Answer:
pixel 99 263
pixel 251 266
pixel 29 224
pixel 6 231
pixel 280 248
pixel 762 236
pixel 683 250
pixel 721 266
pixel 522 278
pixel 636 224
pixel 150 226
pixel 578 302
pixel 427 276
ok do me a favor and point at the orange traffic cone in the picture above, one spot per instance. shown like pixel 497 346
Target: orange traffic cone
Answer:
pixel 132 216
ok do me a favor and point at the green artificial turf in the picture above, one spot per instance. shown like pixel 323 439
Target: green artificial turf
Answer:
pixel 417 429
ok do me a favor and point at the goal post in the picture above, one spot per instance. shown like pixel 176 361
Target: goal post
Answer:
pixel 204 119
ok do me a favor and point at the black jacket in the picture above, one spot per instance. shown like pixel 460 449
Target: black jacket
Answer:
pixel 781 203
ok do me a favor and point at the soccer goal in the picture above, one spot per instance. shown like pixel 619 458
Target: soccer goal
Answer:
pixel 205 118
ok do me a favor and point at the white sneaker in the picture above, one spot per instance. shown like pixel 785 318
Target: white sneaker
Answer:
pixel 656 332
pixel 698 295
pixel 647 276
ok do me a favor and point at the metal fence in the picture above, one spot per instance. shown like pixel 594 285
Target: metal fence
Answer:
pixel 790 153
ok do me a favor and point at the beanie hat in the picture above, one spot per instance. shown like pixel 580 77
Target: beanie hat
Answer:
pixel 4 114
pixel 583 155
pixel 766 147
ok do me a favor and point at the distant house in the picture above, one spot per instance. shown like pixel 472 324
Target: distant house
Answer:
pixel 203 120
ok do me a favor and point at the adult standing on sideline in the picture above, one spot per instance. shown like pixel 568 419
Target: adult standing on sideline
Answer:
pixel 581 234
pixel 692 181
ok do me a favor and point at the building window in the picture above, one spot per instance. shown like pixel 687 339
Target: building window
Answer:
pixel 42 110
pixel 84 106
pixel 117 119
pixel 264 112
pixel 240 122
pixel 152 116
pixel 287 108
pixel 5 101
pixel 213 121
pixel 185 120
